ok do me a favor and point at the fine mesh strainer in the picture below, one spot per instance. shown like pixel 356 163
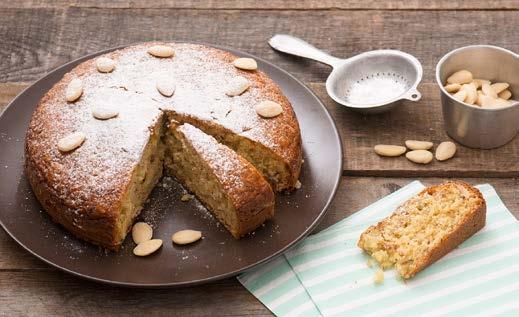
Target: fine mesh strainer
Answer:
pixel 370 82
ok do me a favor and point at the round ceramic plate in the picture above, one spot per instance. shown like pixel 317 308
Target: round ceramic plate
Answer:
pixel 217 255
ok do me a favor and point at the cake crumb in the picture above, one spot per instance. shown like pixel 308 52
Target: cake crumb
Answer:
pixel 369 262
pixel 298 185
pixel 379 277
pixel 186 197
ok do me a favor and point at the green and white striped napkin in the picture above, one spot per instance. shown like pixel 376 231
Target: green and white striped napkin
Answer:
pixel 326 274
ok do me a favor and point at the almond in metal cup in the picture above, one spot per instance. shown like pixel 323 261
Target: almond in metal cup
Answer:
pixel 472 125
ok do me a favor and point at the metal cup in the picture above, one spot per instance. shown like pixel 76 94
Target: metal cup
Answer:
pixel 473 126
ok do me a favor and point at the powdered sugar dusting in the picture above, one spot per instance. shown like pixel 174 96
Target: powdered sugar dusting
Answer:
pixel 223 161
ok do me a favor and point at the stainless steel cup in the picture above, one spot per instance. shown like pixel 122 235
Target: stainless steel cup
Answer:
pixel 473 126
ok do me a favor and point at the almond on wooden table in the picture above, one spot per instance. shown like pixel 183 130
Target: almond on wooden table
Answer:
pixel 419 156
pixel 445 151
pixel 418 145
pixel 389 150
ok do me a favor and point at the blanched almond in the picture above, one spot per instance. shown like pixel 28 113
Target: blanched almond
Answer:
pixel 389 150
pixel 147 247
pixel 74 90
pixel 161 51
pixel 489 91
pixel 452 87
pixel 105 64
pixel 186 236
pixel 418 145
pixel 483 99
pixel 141 232
pixel 460 77
pixel 71 142
pixel 505 94
pixel 237 86
pixel 479 82
pixel 245 63
pixel 268 109
pixel 499 87
pixel 460 95
pixel 103 113
pixel 166 87
pixel 472 93
pixel 497 103
pixel 445 151
pixel 419 156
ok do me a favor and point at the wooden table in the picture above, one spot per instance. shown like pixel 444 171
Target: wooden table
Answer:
pixel 37 36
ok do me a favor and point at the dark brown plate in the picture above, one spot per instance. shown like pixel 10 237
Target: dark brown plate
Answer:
pixel 218 255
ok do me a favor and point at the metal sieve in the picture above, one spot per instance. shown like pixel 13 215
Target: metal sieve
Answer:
pixel 370 82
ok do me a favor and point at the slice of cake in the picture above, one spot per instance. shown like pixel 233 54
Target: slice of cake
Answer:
pixel 227 184
pixel 426 227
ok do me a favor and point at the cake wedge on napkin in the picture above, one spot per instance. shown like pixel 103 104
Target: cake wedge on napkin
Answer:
pixel 426 227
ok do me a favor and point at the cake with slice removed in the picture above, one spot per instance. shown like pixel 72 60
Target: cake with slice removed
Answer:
pixel 227 184
pixel 426 227
pixel 118 103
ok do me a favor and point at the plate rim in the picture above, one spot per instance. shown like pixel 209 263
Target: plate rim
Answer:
pixel 233 273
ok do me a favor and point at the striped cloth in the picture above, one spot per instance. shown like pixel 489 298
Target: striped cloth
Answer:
pixel 326 274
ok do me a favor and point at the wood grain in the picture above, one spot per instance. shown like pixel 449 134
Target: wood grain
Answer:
pixel 28 52
pixel 30 287
pixel 271 4
pixel 420 120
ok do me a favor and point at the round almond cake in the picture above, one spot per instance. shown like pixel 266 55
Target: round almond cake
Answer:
pixel 101 138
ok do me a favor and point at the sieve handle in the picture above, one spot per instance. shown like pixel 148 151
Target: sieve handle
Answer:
pixel 296 46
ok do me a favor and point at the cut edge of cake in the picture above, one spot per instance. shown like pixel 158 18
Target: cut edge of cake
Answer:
pixel 390 242
pixel 227 184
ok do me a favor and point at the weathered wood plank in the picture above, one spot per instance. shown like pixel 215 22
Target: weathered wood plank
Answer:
pixel 421 120
pixel 30 288
pixel 272 5
pixel 28 52
pixel 53 293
